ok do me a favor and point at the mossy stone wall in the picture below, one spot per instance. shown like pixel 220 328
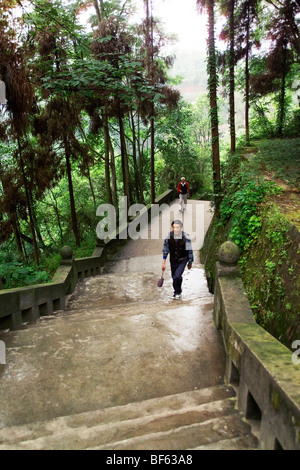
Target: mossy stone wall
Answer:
pixel 270 270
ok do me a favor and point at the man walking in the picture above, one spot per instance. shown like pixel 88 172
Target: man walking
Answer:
pixel 178 244
pixel 183 191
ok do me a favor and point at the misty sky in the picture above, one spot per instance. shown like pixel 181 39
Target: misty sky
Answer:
pixel 181 18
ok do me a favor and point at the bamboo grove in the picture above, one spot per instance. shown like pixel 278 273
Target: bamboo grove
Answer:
pixel 94 108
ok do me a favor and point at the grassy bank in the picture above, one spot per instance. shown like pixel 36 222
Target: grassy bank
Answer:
pixel 260 197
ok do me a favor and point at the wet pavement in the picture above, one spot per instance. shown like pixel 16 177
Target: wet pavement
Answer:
pixel 120 340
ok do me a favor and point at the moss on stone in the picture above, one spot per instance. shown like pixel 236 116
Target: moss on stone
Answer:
pixel 276 400
pixel 229 253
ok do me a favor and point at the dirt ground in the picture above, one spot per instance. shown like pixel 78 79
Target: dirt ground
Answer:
pixel 289 200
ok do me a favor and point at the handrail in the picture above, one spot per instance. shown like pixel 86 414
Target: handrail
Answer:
pixel 267 380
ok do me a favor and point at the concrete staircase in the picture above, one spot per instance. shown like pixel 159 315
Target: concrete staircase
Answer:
pixel 125 366
pixel 201 419
pixel 149 376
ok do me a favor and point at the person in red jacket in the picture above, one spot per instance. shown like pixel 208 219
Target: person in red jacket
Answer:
pixel 183 191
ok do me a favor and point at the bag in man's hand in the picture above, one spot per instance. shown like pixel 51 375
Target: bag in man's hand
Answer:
pixel 160 280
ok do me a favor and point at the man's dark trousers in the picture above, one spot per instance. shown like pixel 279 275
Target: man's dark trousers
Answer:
pixel 177 271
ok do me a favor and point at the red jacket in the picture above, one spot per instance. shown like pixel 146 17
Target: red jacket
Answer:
pixel 179 187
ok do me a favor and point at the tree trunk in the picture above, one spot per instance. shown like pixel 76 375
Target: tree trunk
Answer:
pixel 139 195
pixel 152 122
pixel 102 8
pixel 231 79
pixel 140 157
pixel 98 12
pixel 14 219
pixel 91 186
pixel 54 245
pixel 16 229
pixel 125 166
pixel 247 77
pixel 113 175
pixel 106 153
pixel 36 225
pixel 149 48
pixel 107 142
pixel 31 220
pixel 281 108
pixel 55 206
pixel 71 194
pixel 213 83
pixel 152 159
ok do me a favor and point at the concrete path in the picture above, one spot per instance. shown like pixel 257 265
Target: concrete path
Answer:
pixel 121 340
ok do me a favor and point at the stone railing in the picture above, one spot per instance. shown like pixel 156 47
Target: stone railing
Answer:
pixel 28 304
pixel 266 378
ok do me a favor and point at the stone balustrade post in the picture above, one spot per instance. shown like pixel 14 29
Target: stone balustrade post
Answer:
pixel 67 256
pixel 226 266
pixel 68 261
pixel 228 256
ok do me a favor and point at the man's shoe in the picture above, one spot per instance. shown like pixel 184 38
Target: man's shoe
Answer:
pixel 177 296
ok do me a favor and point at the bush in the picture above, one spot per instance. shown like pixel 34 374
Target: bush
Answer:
pixel 244 192
pixel 292 128
pixel 14 274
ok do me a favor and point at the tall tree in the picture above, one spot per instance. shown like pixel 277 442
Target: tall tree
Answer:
pixel 19 95
pixel 149 51
pixel 209 6
pixel 246 23
pixel 285 37
pixel 283 52
pixel 100 17
pixel 228 34
pixel 231 74
pixel 55 42
pixel 112 44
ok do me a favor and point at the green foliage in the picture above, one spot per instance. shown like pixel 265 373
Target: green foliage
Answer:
pixel 15 274
pixel 269 261
pixel 75 75
pixel 292 128
pixel 268 107
pixel 269 271
pixel 264 117
pixel 243 194
pixel 183 141
pixel 282 156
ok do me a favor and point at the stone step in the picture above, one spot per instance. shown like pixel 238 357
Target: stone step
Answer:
pixel 123 367
pixel 102 358
pixel 159 432
pixel 245 442
pixel 210 432
pixel 120 287
pixel 103 312
pixel 103 426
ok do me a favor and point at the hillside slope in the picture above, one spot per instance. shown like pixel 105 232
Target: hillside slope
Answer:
pixel 261 213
